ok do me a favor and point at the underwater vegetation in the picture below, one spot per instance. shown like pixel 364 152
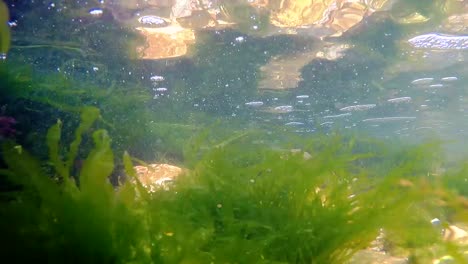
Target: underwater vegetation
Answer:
pixel 239 203
pixel 313 199
pixel 145 127
pixel 92 68
pixel 5 34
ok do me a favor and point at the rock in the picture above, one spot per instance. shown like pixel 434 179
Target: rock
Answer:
pixel 176 21
pixel 315 20
pixel 166 42
pixel 455 233
pixel 369 256
pixel 444 260
pixel 156 176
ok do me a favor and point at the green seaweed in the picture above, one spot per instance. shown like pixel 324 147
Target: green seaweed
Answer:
pixel 246 198
pixel 240 202
pixel 5 35
pixel 56 220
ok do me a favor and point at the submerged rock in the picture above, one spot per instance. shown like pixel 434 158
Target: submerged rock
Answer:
pixel 158 23
pixel 316 20
pixel 369 256
pixel 158 175
pixel 166 42
pixel 168 28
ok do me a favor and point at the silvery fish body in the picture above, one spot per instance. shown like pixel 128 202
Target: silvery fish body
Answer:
pixel 362 107
pixel 439 41
pixel 152 21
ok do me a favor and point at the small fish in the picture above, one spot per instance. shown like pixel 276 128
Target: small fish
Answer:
pixel 449 79
pixel 440 42
pixel 422 81
pixel 283 109
pixel 337 116
pixel 160 89
pixel 358 107
pixel 390 118
pixel 398 100
pixel 151 20
pixel 294 124
pixel 254 103
pixel 157 78
pixel 326 123
pixel 96 12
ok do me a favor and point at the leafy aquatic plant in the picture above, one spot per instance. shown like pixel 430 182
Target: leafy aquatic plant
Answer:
pixel 54 218
pixel 254 205
pixel 241 203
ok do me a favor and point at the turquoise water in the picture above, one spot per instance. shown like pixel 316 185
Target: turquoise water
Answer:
pixel 393 80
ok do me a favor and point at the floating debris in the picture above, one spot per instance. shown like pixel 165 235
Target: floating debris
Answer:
pixel 363 107
pixel 390 118
pixel 437 85
pixel 422 81
pixel 439 41
pixel 157 78
pixel 449 79
pixel 398 100
pixel 304 96
pixel 254 103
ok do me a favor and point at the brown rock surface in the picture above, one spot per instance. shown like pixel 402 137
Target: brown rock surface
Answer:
pixel 154 176
pixel 163 43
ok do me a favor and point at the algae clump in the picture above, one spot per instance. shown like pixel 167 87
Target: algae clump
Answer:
pixel 240 203
pixel 53 217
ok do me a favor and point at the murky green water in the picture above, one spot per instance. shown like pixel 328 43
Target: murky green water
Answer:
pixel 272 106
